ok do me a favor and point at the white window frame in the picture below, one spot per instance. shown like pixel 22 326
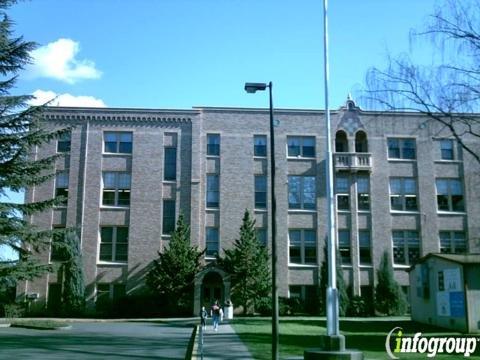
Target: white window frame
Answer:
pixel 301 139
pixel 406 244
pixel 117 188
pixel 114 244
pixel 118 135
pixel 303 245
pixel 403 195
pixel 302 193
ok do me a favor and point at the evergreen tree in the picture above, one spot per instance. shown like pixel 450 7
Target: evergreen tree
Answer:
pixel 389 297
pixel 73 281
pixel 341 287
pixel 172 274
pixel 247 263
pixel 20 132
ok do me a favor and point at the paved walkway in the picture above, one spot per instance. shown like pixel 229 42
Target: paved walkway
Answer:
pixel 224 344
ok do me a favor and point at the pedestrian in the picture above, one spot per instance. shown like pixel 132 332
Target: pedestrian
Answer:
pixel 203 318
pixel 215 312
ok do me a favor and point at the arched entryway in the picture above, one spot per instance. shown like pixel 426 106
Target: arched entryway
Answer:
pixel 211 284
pixel 212 289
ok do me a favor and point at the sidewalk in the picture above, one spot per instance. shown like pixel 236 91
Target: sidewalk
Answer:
pixel 223 344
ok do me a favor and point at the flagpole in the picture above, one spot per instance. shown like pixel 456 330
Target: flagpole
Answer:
pixel 332 293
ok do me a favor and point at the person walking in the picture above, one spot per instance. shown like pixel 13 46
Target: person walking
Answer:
pixel 203 318
pixel 215 312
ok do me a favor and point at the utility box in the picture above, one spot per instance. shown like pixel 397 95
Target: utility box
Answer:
pixel 445 291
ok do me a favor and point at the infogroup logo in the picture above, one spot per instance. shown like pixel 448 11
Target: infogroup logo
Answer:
pixel 429 345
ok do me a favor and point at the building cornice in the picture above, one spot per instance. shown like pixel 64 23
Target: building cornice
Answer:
pixel 118 114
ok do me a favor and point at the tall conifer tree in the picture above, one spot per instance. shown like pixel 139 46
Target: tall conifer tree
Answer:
pixel 20 133
pixel 173 273
pixel 389 297
pixel 73 280
pixel 248 264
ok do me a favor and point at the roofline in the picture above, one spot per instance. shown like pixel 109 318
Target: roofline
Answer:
pixel 195 110
pixel 439 256
pixel 75 109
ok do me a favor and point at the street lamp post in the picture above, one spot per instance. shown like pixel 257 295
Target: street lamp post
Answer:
pixel 252 88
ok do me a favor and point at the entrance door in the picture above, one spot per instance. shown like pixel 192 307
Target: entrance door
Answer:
pixel 54 299
pixel 212 289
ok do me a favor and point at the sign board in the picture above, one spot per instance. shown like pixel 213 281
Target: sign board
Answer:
pixel 451 278
pixel 457 304
pixel 443 303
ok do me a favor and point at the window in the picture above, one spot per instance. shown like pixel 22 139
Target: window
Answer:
pixel 406 247
pixel 301 146
pixel 213 144
pixel 344 247
pixel 108 292
pixel 212 241
pixel 212 191
pixel 453 242
pixel 262 236
pixel 301 192
pixel 116 188
pixel 446 149
pixel 114 243
pixel 260 145
pixel 341 141
pixel 302 246
pixel 450 195
pixel 170 164
pixel 103 296
pixel 307 294
pixel 295 291
pixel 117 142
pixel 361 143
pixel 403 194
pixel 401 148
pixel 168 222
pixel 260 192
pixel 64 143
pixel 342 190
pixel 365 247
pixel 363 193
pixel 61 186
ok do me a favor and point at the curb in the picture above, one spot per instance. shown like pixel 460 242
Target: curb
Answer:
pixel 195 352
pixel 191 343
pixel 41 328
pixel 5 325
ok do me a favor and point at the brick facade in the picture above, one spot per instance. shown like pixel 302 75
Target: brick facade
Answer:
pixel 236 166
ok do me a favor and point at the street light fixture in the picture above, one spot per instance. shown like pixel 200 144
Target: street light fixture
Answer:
pixel 252 88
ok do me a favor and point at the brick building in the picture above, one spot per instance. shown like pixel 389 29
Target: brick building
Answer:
pixel 402 186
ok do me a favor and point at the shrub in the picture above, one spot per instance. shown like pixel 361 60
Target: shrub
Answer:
pixel 389 297
pixel 14 310
pixel 358 307
pixel 264 306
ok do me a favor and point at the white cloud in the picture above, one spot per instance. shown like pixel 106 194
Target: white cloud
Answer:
pixel 42 96
pixel 58 60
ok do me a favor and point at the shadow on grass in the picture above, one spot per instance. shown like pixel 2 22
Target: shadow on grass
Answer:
pixel 374 326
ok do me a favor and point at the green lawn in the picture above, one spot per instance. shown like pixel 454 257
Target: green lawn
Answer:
pixel 365 334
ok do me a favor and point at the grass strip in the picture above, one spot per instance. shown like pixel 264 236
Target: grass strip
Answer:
pixel 367 335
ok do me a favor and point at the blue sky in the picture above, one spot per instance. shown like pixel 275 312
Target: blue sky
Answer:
pixel 184 53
